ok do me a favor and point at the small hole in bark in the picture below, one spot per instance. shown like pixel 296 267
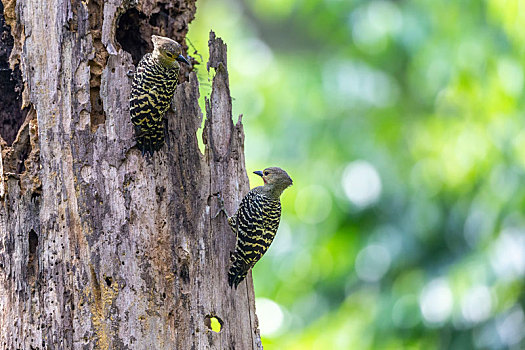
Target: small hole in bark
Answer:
pixel 184 272
pixel 35 196
pixel 33 242
pixel 213 323
pixel 108 280
pixel 163 295
pixel 32 259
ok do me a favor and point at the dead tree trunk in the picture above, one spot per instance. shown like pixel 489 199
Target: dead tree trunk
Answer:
pixel 99 246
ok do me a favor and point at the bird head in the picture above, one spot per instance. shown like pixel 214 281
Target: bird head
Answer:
pixel 169 51
pixel 276 179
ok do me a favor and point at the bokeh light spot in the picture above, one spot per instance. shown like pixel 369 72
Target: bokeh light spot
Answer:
pixel 361 183
pixel 257 58
pixel 372 24
pixel 270 316
pixel 476 304
pixel 372 263
pixel 436 301
pixel 508 254
pixel 511 327
pixel 358 84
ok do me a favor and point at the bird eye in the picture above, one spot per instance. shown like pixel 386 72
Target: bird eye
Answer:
pixel 266 173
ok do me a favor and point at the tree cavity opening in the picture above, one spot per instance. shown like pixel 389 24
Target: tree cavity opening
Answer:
pixel 167 18
pixel 130 36
pixel 32 263
pixel 12 115
pixel 109 281
pixel 213 323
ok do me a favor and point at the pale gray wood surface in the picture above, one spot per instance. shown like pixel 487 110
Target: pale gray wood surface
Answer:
pixel 101 248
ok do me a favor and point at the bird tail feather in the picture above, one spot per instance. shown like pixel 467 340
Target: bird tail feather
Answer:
pixel 237 273
pixel 151 141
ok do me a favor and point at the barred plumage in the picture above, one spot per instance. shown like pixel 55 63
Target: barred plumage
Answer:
pixel 255 222
pixel 152 89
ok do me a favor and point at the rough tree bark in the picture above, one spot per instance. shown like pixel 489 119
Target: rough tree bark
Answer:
pixel 99 246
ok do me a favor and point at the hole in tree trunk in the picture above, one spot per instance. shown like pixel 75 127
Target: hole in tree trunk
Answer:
pixel 11 114
pixel 213 323
pixel 15 158
pixel 168 18
pixel 109 281
pixel 129 34
pixel 33 242
pixel 32 262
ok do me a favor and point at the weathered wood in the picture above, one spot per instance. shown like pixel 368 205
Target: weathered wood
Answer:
pixel 99 246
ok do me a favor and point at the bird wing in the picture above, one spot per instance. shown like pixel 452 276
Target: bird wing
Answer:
pixel 250 228
pixel 145 108
pixel 272 215
pixel 257 220
pixel 139 107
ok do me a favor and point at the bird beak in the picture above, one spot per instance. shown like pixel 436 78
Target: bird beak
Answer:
pixel 183 59
pixel 258 173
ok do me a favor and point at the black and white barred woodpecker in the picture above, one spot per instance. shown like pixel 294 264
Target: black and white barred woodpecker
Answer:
pixel 152 89
pixel 255 222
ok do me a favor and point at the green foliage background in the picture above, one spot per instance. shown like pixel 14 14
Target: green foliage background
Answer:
pixel 401 123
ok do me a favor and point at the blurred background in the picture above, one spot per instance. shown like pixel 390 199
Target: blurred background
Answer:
pixel 401 125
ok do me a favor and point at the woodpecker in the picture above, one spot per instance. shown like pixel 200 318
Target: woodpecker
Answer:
pixel 152 88
pixel 255 222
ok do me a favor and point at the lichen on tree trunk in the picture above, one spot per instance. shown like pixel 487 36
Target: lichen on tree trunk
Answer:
pixel 101 247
